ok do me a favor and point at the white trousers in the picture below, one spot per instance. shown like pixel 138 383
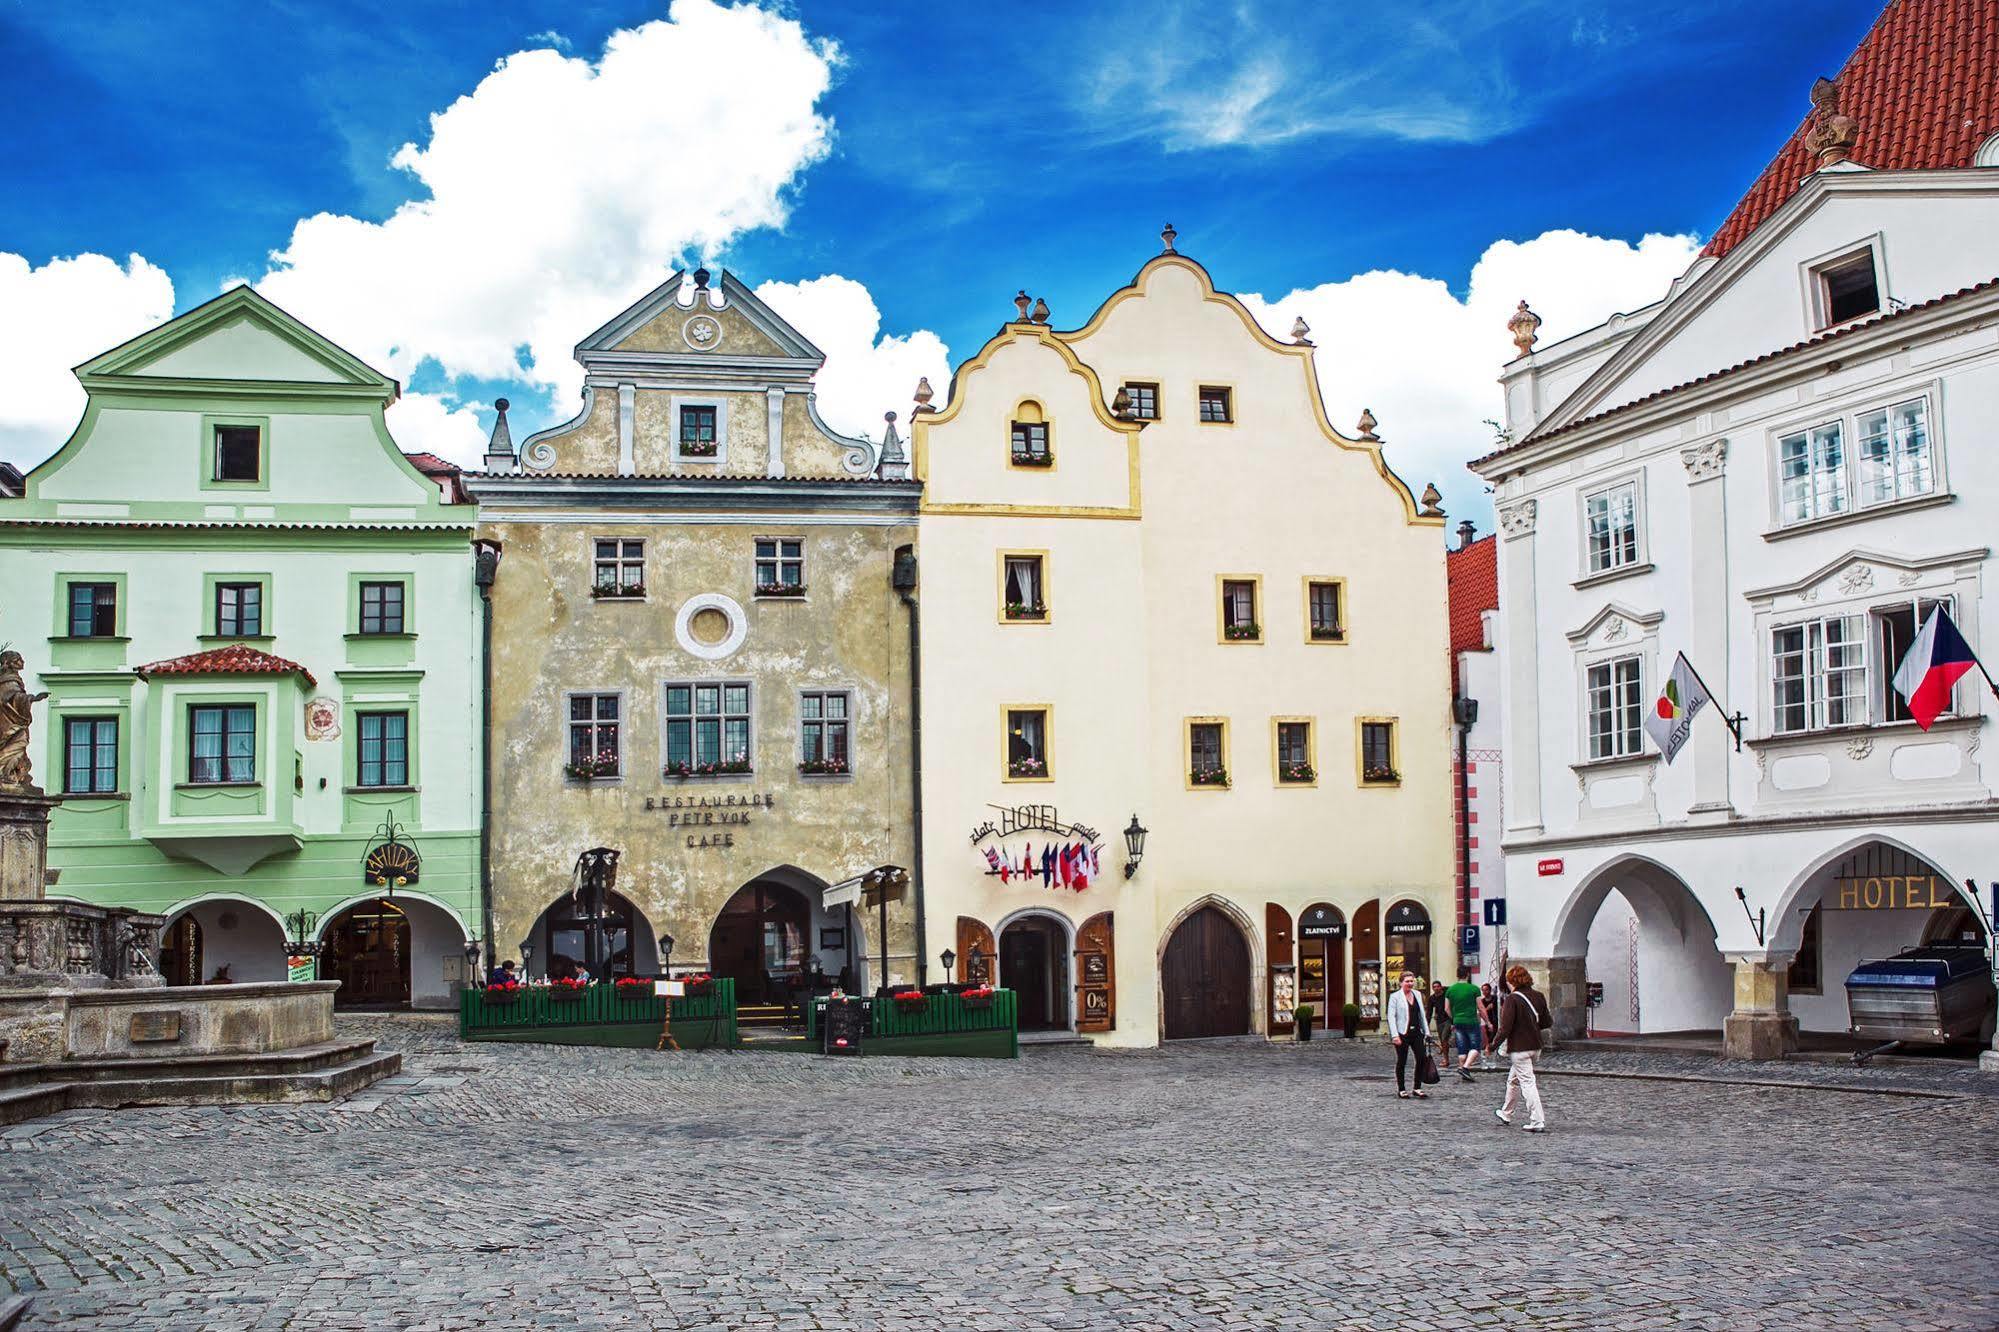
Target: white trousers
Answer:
pixel 1520 1078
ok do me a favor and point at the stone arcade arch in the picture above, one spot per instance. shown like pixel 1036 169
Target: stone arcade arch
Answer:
pixel 1683 982
pixel 617 941
pixel 389 951
pixel 218 930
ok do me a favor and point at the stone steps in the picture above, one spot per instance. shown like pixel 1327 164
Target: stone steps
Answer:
pixel 310 1073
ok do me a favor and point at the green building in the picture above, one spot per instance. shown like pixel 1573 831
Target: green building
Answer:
pixel 257 622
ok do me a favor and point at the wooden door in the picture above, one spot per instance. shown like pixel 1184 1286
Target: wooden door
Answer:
pixel 1204 978
pixel 369 955
pixel 1025 963
pixel 1277 942
pixel 976 951
pixel 1096 974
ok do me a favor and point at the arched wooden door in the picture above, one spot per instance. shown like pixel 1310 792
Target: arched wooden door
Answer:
pixel 1204 978
pixel 976 951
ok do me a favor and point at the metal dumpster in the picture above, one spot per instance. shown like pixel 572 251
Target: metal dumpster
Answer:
pixel 1931 995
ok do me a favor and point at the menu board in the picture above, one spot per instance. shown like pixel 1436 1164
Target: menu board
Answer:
pixel 846 1022
pixel 1283 995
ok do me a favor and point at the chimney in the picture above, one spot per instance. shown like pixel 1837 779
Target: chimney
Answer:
pixel 500 448
pixel 1467 533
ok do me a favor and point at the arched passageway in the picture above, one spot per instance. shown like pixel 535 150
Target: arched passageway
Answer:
pixel 1649 943
pixel 222 934
pixel 606 938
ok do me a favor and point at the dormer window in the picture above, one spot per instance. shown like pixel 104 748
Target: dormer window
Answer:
pixel 1848 288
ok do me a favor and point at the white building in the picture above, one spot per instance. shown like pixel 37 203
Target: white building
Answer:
pixel 1777 470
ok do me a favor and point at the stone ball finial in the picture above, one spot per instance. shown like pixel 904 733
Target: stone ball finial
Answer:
pixel 1020 303
pixel 889 417
pixel 1832 134
pixel 1523 326
pixel 1299 331
pixel 1121 404
pixel 701 276
pixel 1040 315
pixel 1166 238
pixel 501 404
pixel 1433 502
pixel 1367 424
pixel 924 393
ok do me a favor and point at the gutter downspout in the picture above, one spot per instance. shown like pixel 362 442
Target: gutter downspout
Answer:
pixel 485 570
pixel 904 579
pixel 1465 711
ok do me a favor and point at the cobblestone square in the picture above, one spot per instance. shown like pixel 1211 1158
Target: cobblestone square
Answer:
pixel 1202 1186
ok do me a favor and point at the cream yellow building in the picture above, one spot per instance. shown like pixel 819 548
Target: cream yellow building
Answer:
pixel 1161 589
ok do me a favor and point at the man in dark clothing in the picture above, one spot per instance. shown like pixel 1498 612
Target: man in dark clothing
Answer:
pixel 1523 1015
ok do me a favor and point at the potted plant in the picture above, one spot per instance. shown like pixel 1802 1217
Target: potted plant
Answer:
pixel 1238 633
pixel 1026 767
pixel 781 589
pixel 1299 772
pixel 1380 773
pixel 1209 776
pixel 633 987
pixel 615 590
pixel 1028 458
pixel 910 1001
pixel 503 992
pixel 1350 1019
pixel 567 989
pixel 823 767
pixel 697 448
pixel 697 983
pixel 1304 1015
pixel 978 996
pixel 683 769
pixel 1026 610
pixel 592 767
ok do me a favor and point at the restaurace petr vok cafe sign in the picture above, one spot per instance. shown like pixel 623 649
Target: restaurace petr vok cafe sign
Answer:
pixel 1069 856
pixel 711 820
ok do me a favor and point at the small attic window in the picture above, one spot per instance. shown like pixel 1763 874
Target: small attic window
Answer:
pixel 239 453
pixel 1848 288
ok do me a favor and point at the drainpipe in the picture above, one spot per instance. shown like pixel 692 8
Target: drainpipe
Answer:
pixel 1464 711
pixel 485 569
pixel 904 579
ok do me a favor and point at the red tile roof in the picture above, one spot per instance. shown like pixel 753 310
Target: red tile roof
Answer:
pixel 1923 87
pixel 447 474
pixel 1471 582
pixel 235 659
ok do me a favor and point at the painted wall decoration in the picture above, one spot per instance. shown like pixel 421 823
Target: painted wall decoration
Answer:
pixel 322 719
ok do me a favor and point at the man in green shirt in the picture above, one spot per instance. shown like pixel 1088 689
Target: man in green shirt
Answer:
pixel 1462 1001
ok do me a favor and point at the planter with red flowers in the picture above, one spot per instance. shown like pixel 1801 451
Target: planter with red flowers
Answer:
pixel 675 772
pixel 1209 776
pixel 593 768
pixel 823 768
pixel 979 996
pixel 697 448
pixel 503 992
pixel 910 1001
pixel 697 983
pixel 617 591
pixel 631 988
pixel 1243 633
pixel 1026 767
pixel 1029 458
pixel 567 989
pixel 1380 775
pixel 781 589
pixel 1026 610
pixel 1301 774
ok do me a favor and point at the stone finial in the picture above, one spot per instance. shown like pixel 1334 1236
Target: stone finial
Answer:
pixel 1832 134
pixel 924 394
pixel 892 463
pixel 1523 326
pixel 500 446
pixel 1433 502
pixel 1121 404
pixel 701 276
pixel 1367 425
pixel 1299 331
pixel 1166 238
pixel 1020 303
pixel 1040 315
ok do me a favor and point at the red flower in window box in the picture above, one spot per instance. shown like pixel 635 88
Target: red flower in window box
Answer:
pixel 503 992
pixel 567 989
pixel 830 767
pixel 633 987
pixel 910 1001
pixel 597 766
pixel 615 590
pixel 980 996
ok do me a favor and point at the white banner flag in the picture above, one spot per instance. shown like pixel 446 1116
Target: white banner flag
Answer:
pixel 1672 715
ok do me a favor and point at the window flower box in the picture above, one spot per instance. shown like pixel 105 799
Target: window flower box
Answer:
pixel 1322 634
pixel 698 448
pixel 781 589
pixel 1020 610
pixel 1243 633
pixel 977 997
pixel 697 983
pixel 567 989
pixel 910 1001
pixel 630 988
pixel 1026 767
pixel 615 591
pixel 1024 458
pixel 1380 775
pixel 1209 776
pixel 823 768
pixel 1298 772
pixel 595 768
pixel 681 771
pixel 503 992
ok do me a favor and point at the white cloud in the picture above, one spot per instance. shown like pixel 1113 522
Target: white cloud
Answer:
pixel 562 188
pixel 1426 362
pixel 427 423
pixel 865 374
pixel 56 317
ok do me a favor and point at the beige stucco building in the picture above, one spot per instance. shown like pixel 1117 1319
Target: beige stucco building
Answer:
pixel 1160 587
pixel 700 659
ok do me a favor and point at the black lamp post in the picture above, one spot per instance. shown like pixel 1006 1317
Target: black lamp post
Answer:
pixel 1134 845
pixel 666 956
pixel 527 956
pixel 472 949
pixel 947 957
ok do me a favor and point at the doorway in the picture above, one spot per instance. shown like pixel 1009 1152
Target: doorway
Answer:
pixel 1204 978
pixel 759 939
pixel 1032 955
pixel 367 949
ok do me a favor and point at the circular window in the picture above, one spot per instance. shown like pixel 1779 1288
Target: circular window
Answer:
pixel 710 626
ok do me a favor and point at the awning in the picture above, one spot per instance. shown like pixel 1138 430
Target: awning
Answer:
pixel 882 883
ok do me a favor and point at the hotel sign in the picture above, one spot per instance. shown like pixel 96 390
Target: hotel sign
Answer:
pixel 1892 892
pixel 1030 818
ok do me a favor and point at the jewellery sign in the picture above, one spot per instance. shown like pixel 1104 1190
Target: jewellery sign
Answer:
pixel 1069 858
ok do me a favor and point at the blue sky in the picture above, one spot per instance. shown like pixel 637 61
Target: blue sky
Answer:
pixel 956 154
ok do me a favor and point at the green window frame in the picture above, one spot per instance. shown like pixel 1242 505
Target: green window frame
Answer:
pixel 92 609
pixel 221 744
pixel 90 755
pixel 235 453
pixel 239 610
pixel 382 749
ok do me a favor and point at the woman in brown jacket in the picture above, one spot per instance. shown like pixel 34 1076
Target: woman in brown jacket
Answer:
pixel 1523 1014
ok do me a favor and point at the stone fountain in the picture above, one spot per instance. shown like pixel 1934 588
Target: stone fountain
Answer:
pixel 85 1018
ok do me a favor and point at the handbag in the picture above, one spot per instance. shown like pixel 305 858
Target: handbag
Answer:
pixel 1426 1068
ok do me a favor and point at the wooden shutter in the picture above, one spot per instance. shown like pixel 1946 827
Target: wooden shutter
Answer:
pixel 975 938
pixel 1278 940
pixel 1096 975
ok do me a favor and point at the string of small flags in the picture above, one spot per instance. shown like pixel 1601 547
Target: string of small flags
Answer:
pixel 1069 867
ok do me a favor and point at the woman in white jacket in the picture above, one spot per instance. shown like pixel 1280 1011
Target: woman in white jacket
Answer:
pixel 1411 1037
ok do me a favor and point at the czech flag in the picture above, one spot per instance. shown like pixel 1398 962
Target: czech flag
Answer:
pixel 1937 660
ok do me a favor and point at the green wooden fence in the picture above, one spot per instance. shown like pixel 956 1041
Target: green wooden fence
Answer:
pixel 598 1015
pixel 944 1016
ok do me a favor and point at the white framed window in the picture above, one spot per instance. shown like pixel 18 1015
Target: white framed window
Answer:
pixel 780 567
pixel 1818 674
pixel 1610 527
pixel 1615 701
pixel 1894 454
pixel 1811 473
pixel 1021 596
pixel 596 736
pixel 1883 454
pixel 825 721
pixel 1846 288
pixel 707 728
pixel 618 567
pixel 1144 396
pixel 698 429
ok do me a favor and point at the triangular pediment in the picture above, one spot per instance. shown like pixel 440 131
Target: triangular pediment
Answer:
pixel 663 322
pixel 239 336
pixel 1614 623
pixel 1861 570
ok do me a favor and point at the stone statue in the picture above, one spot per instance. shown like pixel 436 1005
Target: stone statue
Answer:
pixel 16 709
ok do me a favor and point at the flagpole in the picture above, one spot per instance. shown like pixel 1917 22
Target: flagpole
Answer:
pixel 1734 724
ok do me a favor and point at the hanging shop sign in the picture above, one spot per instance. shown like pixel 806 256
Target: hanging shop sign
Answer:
pixel 1893 892
pixel 1070 858
pixel 391 860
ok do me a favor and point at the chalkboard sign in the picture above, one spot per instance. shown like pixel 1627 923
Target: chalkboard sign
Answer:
pixel 846 1022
